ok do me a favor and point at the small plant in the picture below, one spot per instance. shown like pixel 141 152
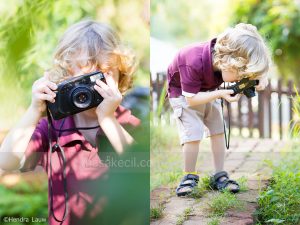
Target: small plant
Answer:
pixel 205 181
pixel 279 203
pixel 198 192
pixel 295 122
pixel 223 201
pixel 157 212
pixel 242 181
pixel 214 220
pixel 184 216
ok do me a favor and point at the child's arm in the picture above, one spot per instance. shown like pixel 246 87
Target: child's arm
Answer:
pixel 205 97
pixel 16 141
pixel 115 133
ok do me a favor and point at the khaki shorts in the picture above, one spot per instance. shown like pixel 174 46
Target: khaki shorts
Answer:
pixel 192 121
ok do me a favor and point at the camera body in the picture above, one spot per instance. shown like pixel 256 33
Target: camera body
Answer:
pixel 246 86
pixel 75 95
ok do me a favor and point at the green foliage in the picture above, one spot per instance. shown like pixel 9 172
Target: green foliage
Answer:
pixel 162 136
pixel 280 203
pixel 214 220
pixel 242 181
pixel 223 201
pixel 295 131
pixel 279 22
pixel 184 216
pixel 156 212
pixel 24 200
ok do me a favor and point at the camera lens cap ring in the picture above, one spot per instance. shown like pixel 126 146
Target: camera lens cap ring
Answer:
pixel 82 97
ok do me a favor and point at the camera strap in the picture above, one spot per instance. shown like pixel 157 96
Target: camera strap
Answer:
pixel 57 148
pixel 227 137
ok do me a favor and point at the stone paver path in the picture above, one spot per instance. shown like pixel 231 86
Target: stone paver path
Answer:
pixel 245 158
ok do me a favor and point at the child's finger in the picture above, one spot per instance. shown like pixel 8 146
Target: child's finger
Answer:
pixel 46 97
pixel 101 91
pixel 102 85
pixel 46 90
pixel 229 91
pixel 110 81
pixel 51 85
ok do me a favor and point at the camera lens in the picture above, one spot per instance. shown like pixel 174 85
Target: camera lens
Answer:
pixel 82 97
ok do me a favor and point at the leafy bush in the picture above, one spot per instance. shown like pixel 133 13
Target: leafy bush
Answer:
pixel 280 202
pixel 279 22
pixel 24 200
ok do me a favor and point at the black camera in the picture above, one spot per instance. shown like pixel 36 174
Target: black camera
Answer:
pixel 75 95
pixel 246 86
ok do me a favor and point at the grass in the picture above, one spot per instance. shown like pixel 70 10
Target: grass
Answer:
pixel 222 202
pixel 184 216
pixel 242 181
pixel 157 212
pixel 216 220
pixel 279 203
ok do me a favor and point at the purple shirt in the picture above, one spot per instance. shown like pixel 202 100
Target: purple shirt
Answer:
pixel 83 171
pixel 192 71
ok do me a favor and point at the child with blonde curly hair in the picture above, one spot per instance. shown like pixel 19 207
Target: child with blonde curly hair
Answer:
pixel 193 78
pixel 85 47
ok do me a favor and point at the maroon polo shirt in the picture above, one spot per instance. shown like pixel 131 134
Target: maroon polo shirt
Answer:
pixel 84 167
pixel 192 71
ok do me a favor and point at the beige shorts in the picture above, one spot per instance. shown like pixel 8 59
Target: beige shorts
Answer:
pixel 192 121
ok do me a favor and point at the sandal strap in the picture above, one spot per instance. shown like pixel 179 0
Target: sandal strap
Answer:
pixel 191 177
pixel 224 184
pixel 218 175
pixel 190 180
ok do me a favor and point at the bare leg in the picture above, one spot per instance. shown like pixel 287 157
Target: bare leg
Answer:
pixel 218 149
pixel 190 152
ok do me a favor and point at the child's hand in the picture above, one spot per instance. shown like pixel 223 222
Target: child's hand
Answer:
pixel 226 94
pixel 42 90
pixel 111 97
pixel 263 83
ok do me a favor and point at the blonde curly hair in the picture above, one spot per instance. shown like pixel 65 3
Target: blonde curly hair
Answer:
pixel 96 46
pixel 242 48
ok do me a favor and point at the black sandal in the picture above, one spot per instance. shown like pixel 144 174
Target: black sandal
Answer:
pixel 187 185
pixel 219 185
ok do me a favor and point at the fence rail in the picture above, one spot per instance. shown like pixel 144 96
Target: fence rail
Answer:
pixel 270 113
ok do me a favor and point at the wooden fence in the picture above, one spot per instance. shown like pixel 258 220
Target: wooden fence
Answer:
pixel 270 113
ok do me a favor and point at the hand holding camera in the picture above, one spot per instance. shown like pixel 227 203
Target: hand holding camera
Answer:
pixel 75 95
pixel 42 90
pixel 244 86
pixel 111 96
pixel 227 95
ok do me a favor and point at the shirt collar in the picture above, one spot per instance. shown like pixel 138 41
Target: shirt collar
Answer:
pixel 122 115
pixel 207 59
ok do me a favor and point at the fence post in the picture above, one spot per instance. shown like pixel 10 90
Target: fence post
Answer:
pixel 279 89
pixel 269 94
pixel 260 115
